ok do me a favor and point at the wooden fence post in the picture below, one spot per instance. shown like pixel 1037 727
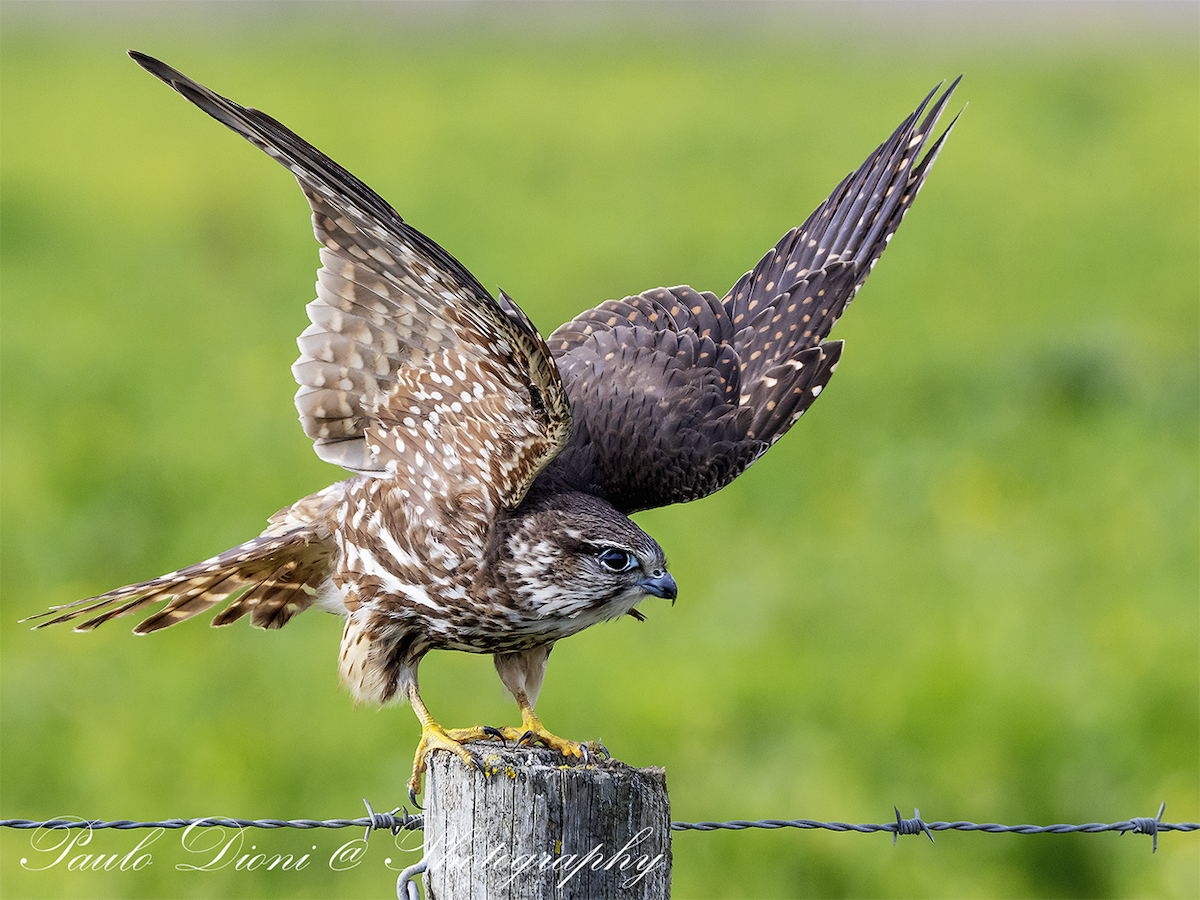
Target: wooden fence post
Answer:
pixel 537 825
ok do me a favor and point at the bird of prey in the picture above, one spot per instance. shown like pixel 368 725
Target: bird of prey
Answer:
pixel 494 472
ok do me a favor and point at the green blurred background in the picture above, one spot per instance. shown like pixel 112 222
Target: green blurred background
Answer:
pixel 966 583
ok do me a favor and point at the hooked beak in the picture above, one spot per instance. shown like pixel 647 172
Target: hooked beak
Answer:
pixel 661 585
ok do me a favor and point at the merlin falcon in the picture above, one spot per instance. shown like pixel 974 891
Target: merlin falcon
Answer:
pixel 494 472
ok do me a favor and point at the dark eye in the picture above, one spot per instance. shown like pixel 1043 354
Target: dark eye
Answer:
pixel 617 561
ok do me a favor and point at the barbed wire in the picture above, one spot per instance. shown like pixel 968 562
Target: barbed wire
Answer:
pixel 399 820
pixel 396 821
pixel 1137 825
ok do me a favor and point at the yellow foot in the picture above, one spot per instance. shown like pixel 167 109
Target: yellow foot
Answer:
pixel 530 731
pixel 435 737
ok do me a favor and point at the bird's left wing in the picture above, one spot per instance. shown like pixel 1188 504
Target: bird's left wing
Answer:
pixel 676 392
pixel 410 366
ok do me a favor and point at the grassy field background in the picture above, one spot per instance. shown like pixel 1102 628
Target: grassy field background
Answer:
pixel 966 583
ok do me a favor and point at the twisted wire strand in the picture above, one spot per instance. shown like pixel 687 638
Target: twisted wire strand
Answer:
pixel 399 820
pixel 1138 825
pixel 395 821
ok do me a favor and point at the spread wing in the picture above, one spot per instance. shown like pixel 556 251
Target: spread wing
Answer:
pixel 410 366
pixel 676 392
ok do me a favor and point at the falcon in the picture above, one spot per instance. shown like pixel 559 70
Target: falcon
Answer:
pixel 494 472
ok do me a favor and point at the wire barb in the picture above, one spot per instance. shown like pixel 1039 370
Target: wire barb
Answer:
pixel 395 825
pixel 910 826
pixel 1144 825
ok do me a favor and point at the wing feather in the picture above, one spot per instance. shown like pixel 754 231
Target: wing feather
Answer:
pixel 675 392
pixel 399 329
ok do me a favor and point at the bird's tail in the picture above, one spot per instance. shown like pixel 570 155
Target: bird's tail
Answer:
pixel 272 577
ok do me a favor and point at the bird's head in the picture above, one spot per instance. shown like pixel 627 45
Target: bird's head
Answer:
pixel 572 560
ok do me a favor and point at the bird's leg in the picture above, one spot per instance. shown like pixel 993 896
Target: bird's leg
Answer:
pixel 530 731
pixel 435 737
pixel 534 730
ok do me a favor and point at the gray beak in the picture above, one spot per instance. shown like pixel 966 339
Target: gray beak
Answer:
pixel 661 585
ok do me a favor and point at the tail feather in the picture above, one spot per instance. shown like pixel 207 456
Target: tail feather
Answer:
pixel 278 597
pixel 272 577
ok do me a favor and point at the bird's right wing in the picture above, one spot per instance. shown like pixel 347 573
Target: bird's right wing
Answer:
pixel 410 366
pixel 674 392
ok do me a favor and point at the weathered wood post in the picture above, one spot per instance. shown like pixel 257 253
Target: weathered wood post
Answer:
pixel 537 825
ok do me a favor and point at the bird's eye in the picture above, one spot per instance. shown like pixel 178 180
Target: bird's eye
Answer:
pixel 617 561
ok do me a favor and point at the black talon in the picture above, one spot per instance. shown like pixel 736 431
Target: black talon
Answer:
pixel 412 795
pixel 603 750
pixel 478 763
pixel 525 737
pixel 494 733
pixel 584 753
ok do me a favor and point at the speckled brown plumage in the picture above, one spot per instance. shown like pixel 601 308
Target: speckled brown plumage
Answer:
pixel 494 471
